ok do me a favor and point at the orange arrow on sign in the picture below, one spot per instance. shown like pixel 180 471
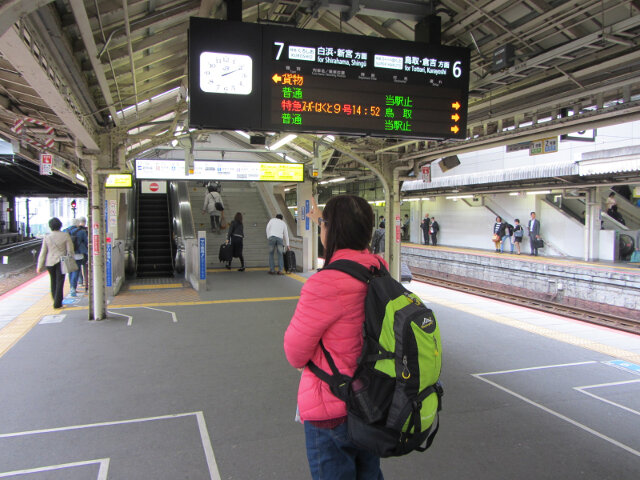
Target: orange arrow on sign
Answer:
pixel 455 129
pixel 455 117
pixel 455 105
pixel 276 78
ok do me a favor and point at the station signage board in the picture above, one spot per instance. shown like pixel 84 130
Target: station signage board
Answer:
pixel 219 170
pixel 46 164
pixel 270 78
pixel 119 180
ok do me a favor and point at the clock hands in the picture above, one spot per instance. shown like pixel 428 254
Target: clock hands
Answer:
pixel 232 71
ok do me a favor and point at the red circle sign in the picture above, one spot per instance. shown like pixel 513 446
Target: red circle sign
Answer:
pixel 153 187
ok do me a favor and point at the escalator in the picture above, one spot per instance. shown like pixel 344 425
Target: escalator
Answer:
pixel 154 250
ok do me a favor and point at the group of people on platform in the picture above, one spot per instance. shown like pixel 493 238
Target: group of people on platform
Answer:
pixel 504 232
pixel 71 242
pixel 430 229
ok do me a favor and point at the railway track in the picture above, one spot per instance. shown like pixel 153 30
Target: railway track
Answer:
pixel 603 319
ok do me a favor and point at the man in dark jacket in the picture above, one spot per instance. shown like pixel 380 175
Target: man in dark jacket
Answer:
pixel 425 228
pixel 534 233
pixel 433 231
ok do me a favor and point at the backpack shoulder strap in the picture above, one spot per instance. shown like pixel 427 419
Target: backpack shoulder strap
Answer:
pixel 356 270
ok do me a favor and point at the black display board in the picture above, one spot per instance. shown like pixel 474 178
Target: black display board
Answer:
pixel 311 81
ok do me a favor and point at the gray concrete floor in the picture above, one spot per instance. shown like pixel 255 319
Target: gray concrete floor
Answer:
pixel 144 401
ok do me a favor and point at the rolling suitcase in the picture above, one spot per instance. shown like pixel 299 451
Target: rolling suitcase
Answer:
pixel 226 252
pixel 289 261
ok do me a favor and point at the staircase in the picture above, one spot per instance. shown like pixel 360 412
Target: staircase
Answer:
pixel 240 197
pixel 154 252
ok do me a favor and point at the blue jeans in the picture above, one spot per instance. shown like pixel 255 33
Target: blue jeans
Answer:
pixel 332 456
pixel 73 276
pixel 276 244
pixel 506 239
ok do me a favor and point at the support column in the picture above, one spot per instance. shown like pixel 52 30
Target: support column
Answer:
pixel 97 309
pixel 306 228
pixel 593 209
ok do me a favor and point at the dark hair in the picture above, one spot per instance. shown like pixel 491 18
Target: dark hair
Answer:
pixel 211 188
pixel 498 218
pixel 381 225
pixel 517 220
pixel 612 194
pixel 349 223
pixel 238 218
pixel 279 216
pixel 55 224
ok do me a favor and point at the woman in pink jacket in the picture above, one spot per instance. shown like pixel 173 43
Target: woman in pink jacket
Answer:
pixel 331 310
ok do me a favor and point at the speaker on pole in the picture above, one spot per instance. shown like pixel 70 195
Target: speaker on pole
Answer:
pixel 447 163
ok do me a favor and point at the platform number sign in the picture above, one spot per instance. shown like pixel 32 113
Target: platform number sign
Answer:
pixel 46 164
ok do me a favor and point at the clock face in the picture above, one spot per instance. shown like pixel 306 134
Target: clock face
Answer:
pixel 227 73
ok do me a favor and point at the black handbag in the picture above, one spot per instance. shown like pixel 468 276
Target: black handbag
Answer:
pixel 539 243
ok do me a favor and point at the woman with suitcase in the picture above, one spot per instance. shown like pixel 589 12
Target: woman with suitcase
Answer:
pixel 235 235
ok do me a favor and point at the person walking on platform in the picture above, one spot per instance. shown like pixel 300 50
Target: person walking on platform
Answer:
pixel 433 231
pixel 425 228
pixel 612 208
pixel 80 240
pixel 405 228
pixel 55 245
pixel 534 233
pixel 214 206
pixel 377 242
pixel 497 233
pixel 236 237
pixel 382 221
pixel 278 237
pixel 330 315
pixel 518 233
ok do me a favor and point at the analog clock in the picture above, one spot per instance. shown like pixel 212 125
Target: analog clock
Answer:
pixel 226 73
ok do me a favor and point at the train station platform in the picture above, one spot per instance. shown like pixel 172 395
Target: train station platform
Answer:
pixel 603 287
pixel 183 384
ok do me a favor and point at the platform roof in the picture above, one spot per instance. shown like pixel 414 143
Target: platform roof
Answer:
pixel 85 67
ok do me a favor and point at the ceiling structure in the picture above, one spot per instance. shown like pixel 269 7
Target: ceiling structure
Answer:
pixel 75 70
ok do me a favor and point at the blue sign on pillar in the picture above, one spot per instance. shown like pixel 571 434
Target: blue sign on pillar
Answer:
pixel 108 264
pixel 203 259
pixel 306 216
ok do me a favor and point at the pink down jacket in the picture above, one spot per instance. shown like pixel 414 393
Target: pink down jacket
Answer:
pixel 331 309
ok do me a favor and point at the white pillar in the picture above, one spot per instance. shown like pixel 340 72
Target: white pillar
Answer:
pixel 97 231
pixel 306 228
pixel 593 210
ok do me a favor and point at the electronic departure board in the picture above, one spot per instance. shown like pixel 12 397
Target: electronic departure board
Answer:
pixel 263 77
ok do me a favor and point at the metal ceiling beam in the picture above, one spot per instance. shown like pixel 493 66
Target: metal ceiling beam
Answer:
pixel 20 56
pixel 82 20
pixel 401 9
pixel 13 10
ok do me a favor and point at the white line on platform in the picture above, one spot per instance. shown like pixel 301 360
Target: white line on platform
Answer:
pixel 102 471
pixel 214 474
pixel 542 367
pixel 173 315
pixel 559 415
pixel 129 322
pixel 602 399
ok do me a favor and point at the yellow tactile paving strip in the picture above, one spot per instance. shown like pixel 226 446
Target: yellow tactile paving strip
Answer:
pixel 19 326
pixel 538 330
pixel 153 287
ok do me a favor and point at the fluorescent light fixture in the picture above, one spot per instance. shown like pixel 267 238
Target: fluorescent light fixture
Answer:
pixel 287 190
pixel 411 199
pixel 514 194
pixel 174 143
pixel 539 192
pixel 330 138
pixel 425 198
pixel 332 180
pixel 79 177
pixel 283 141
pixel 457 197
pixel 244 134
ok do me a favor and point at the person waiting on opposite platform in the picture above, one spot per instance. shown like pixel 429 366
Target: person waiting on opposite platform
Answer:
pixel 612 208
pixel 55 245
pixel 80 240
pixel 425 228
pixel 214 206
pixel 278 237
pixel 534 233
pixel 518 234
pixel 498 229
pixel 507 231
pixel 235 235
pixel 434 228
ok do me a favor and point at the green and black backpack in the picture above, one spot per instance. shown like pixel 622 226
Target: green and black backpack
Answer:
pixel 394 396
